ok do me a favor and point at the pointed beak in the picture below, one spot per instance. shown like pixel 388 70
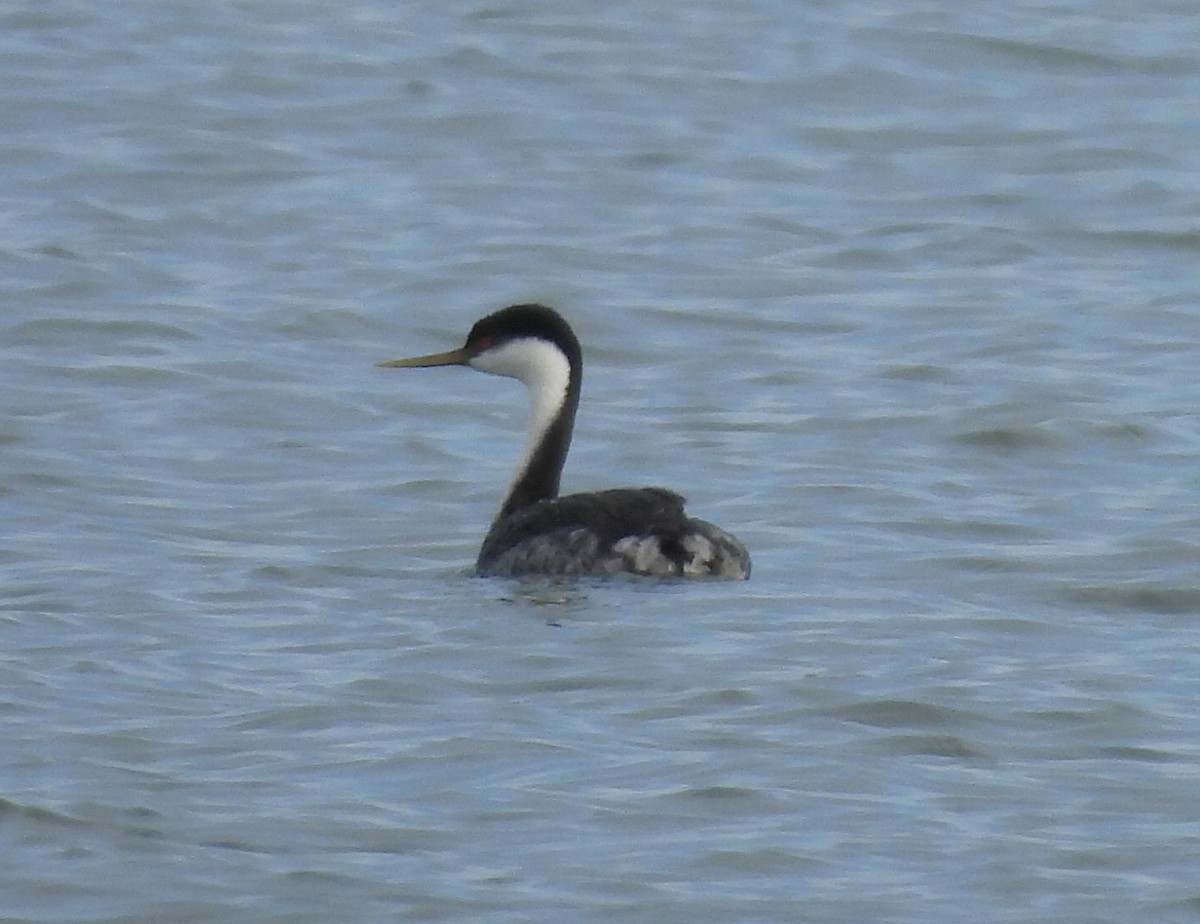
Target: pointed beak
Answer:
pixel 459 357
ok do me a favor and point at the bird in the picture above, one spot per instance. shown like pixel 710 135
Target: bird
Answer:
pixel 642 531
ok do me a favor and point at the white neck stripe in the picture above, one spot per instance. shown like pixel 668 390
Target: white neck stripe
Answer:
pixel 546 372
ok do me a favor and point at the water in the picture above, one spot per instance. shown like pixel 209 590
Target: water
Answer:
pixel 904 296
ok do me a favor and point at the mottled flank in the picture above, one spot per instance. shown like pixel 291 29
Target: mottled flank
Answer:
pixel 632 530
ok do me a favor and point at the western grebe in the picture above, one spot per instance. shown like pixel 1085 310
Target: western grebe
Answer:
pixel 634 530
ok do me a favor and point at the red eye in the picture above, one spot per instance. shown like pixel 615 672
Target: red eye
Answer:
pixel 483 343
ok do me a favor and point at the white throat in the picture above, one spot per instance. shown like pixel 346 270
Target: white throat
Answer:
pixel 545 371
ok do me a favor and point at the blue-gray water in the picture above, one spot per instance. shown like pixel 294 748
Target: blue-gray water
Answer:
pixel 904 295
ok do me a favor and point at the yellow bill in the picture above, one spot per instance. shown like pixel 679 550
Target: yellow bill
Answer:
pixel 459 357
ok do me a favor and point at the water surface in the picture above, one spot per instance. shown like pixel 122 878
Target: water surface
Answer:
pixel 904 296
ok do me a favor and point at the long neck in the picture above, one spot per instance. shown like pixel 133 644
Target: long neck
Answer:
pixel 554 398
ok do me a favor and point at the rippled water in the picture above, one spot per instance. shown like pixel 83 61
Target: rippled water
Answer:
pixel 904 296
